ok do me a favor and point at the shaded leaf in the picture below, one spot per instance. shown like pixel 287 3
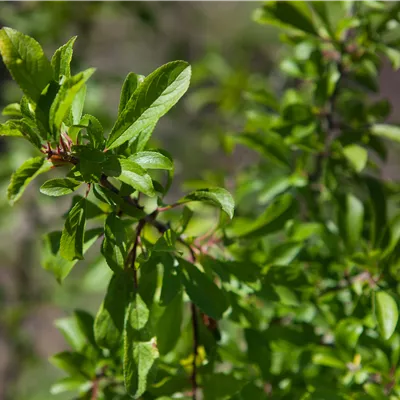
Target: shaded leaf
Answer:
pixel 72 238
pixel 203 291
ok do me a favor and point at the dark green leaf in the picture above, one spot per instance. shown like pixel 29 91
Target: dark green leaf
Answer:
pixel 288 14
pixel 72 238
pixel 203 291
pixel 115 243
pixel 171 318
pixel 109 322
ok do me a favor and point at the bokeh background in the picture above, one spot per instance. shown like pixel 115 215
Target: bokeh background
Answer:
pixel 229 53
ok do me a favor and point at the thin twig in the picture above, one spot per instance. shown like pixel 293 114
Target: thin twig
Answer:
pixel 195 326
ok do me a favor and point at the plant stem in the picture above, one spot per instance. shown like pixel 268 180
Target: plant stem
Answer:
pixel 195 326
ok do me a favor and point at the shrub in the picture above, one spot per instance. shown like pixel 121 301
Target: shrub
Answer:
pixel 297 297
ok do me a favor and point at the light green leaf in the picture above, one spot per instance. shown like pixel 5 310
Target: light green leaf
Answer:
pixel 69 384
pixel 386 314
pixel 203 291
pixel 152 160
pixel 139 142
pixel 72 238
pixel 50 255
pixel 351 220
pixel 11 128
pixel 59 186
pixel 61 60
pixel 393 55
pixel 216 196
pixel 139 365
pixel 391 132
pixel 78 104
pixel 70 330
pixel 20 179
pixel 64 99
pixel 357 156
pixel 131 83
pixel 26 61
pixel 155 96
pixel 109 321
pixel 140 349
pixel 134 175
pixel 12 110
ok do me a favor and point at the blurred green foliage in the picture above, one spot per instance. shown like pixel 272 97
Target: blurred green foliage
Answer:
pixel 298 296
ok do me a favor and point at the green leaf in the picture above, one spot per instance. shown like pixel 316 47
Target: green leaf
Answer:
pixel 218 386
pixel 28 171
pixel 357 156
pixel 94 130
pixel 272 220
pixel 139 365
pixel 72 362
pixel 134 175
pixel 115 243
pixel 139 142
pixel 109 321
pixel 391 132
pixel 12 110
pixel 386 313
pixel 70 330
pixel 140 349
pixel 61 60
pixel 69 384
pixel 155 96
pixel 77 105
pixel 203 291
pixel 131 83
pixel 50 255
pixel 152 160
pixel 351 220
pixel 216 196
pixel 11 128
pixel 59 186
pixel 171 317
pixel 26 61
pixel 288 14
pixel 64 99
pixel 172 282
pixel 377 199
pixel 72 238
